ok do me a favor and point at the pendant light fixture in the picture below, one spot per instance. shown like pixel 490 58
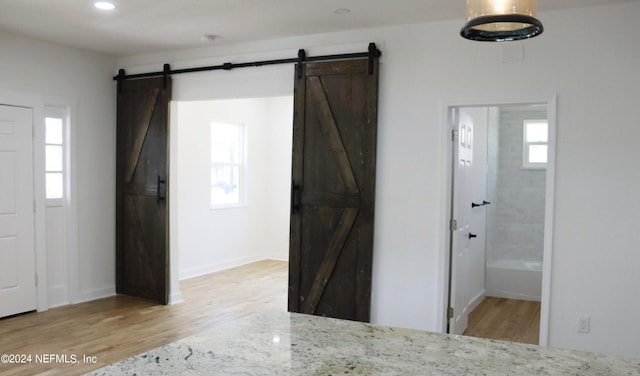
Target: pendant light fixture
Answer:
pixel 501 20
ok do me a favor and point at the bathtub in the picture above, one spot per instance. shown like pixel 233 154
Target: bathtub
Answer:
pixel 514 279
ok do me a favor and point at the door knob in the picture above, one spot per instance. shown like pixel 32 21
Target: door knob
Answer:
pixel 471 236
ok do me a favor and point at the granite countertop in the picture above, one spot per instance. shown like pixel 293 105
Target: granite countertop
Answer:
pixel 296 345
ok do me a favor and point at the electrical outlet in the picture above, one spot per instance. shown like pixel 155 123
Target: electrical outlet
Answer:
pixel 584 324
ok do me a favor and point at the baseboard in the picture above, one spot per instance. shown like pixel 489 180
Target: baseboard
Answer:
pixel 176 298
pixel 277 257
pixel 219 266
pixel 89 295
pixel 477 300
pixel 510 295
pixel 57 296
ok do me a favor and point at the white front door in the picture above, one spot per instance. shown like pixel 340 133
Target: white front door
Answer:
pixel 461 234
pixel 17 250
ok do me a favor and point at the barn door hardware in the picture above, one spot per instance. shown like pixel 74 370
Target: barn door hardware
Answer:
pixel 166 71
pixel 158 195
pixel 295 198
pixel 372 53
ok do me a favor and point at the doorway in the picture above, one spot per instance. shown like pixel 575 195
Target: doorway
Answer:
pixel 501 206
pixel 232 182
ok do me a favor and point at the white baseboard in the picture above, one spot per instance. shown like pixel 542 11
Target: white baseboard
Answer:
pixel 477 300
pixel 219 266
pixel 89 295
pixel 176 298
pixel 277 257
pixel 229 264
pixel 57 296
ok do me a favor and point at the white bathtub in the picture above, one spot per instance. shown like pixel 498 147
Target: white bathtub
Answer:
pixel 514 279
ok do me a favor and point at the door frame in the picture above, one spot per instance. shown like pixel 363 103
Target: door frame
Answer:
pixel 37 103
pixel 445 206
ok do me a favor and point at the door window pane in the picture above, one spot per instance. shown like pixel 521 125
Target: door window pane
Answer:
pixel 54 185
pixel 53 131
pixel 54 153
pixel 53 158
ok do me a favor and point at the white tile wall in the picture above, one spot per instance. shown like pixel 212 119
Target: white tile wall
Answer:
pixel 515 218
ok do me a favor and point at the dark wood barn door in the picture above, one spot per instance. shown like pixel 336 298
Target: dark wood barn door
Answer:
pixel 333 173
pixel 142 259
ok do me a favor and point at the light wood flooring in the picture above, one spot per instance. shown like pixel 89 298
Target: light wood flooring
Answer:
pixel 505 319
pixel 119 327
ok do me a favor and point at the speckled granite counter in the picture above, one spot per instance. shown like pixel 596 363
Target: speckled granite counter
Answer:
pixel 297 345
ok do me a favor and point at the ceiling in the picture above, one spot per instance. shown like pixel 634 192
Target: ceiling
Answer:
pixel 146 26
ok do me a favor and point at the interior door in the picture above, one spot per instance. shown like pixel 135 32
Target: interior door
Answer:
pixel 142 258
pixel 333 172
pixel 461 231
pixel 17 244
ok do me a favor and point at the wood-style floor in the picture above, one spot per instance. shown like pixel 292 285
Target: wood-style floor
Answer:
pixel 117 328
pixel 505 319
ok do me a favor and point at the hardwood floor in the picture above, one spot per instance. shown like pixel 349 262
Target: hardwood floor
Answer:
pixel 117 328
pixel 505 319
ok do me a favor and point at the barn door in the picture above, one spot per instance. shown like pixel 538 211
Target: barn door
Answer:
pixel 333 173
pixel 142 258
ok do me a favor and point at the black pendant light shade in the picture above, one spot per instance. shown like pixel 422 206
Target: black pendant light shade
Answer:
pixel 501 20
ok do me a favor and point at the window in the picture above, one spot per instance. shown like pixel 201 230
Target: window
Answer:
pixel 55 161
pixel 536 137
pixel 227 165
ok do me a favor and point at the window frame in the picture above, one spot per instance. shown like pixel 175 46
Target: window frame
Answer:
pixel 241 165
pixel 526 164
pixel 61 113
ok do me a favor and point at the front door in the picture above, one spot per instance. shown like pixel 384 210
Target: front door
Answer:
pixel 461 234
pixel 333 172
pixel 17 246
pixel 142 252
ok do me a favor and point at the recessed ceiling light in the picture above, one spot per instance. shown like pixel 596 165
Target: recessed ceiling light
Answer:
pixel 104 5
pixel 342 11
pixel 208 38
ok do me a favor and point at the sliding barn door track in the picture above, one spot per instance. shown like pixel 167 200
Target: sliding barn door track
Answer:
pixel 371 54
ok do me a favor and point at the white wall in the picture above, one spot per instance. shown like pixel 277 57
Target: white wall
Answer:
pixel 211 240
pixel 60 75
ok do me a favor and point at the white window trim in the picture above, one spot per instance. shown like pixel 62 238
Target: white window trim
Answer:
pixel 242 179
pixel 61 113
pixel 526 165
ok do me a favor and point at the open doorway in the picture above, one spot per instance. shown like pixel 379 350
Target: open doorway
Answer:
pixel 232 176
pixel 501 212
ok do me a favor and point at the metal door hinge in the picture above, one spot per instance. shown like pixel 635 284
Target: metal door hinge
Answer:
pixel 454 225
pixel 454 135
pixel 36 279
pixel 450 313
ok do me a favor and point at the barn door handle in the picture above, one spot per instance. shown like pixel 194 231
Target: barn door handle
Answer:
pixel 160 181
pixel 471 236
pixel 295 197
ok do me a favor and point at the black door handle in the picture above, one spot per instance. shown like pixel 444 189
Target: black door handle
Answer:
pixel 295 197
pixel 471 236
pixel 158 195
